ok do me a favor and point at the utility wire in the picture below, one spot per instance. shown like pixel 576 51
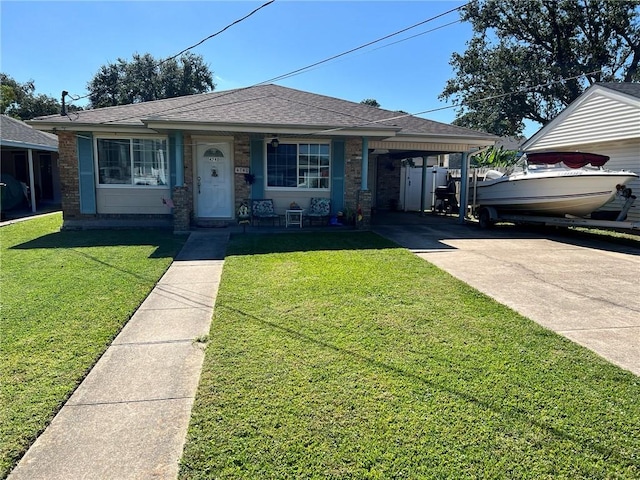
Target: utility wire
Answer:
pixel 74 98
pixel 217 33
pixel 313 65
pixel 300 70
pixel 383 46
pixel 484 99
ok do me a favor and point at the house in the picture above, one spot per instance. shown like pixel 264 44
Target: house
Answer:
pixel 605 119
pixel 192 160
pixel 30 157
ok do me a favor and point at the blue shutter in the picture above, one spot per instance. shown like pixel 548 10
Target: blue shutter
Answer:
pixel 86 173
pixel 257 168
pixel 176 154
pixel 337 175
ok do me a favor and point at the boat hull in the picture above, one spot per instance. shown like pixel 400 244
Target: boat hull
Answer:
pixel 564 193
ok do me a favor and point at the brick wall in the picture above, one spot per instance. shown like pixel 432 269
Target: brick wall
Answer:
pixel 387 183
pixel 69 183
pixel 352 172
pixel 241 158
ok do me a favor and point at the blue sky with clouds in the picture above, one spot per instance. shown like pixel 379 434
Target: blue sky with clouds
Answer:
pixel 61 45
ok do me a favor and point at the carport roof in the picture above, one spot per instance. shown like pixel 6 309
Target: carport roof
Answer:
pixel 17 134
pixel 265 108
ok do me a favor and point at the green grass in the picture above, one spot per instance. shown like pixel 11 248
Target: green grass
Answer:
pixel 343 356
pixel 65 296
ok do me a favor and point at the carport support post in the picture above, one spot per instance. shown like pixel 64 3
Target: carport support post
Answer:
pixel 32 182
pixel 464 187
pixel 423 192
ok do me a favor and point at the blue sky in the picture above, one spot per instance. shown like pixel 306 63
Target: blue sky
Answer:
pixel 61 45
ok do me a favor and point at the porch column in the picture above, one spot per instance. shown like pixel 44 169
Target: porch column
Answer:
pixel 464 187
pixel 32 186
pixel 181 214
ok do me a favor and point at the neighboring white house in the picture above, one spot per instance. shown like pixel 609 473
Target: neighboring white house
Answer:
pixel 605 119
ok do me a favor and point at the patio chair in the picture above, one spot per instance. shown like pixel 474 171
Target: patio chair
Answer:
pixel 263 209
pixel 244 215
pixel 319 209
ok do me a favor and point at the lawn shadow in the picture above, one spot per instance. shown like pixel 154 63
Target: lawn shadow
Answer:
pixel 514 412
pixel 306 241
pixel 165 242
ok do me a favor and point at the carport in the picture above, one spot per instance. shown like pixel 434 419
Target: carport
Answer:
pixel 389 155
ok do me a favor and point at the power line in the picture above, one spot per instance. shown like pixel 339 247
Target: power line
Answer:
pixel 300 70
pixel 217 33
pixel 313 65
pixel 73 98
pixel 384 46
pixel 485 99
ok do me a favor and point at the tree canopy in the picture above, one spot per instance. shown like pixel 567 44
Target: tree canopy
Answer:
pixel 19 100
pixel 520 52
pixel 144 78
pixel 372 102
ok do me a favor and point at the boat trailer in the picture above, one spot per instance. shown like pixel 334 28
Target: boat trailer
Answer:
pixel 488 216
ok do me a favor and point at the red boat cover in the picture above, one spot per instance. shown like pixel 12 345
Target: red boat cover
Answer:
pixel 570 159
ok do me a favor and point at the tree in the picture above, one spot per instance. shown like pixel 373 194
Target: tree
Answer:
pixel 372 102
pixel 495 157
pixel 144 78
pixel 520 51
pixel 19 100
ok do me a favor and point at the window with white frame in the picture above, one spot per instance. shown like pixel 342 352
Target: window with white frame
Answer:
pixel 298 165
pixel 132 161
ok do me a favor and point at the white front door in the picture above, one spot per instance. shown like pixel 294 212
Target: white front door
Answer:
pixel 213 181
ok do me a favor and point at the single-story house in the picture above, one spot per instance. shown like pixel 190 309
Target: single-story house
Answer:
pixel 30 157
pixel 193 160
pixel 605 119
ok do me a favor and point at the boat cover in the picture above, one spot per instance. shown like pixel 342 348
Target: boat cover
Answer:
pixel 570 159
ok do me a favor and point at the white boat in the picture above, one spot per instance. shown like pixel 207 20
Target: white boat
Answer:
pixel 552 184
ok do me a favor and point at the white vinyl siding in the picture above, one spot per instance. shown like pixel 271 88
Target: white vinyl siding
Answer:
pixel 600 118
pixel 136 201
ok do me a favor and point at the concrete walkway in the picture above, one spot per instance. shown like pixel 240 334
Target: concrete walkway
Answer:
pixel 129 417
pixel 584 289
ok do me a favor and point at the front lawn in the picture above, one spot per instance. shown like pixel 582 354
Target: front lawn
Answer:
pixel 343 356
pixel 65 296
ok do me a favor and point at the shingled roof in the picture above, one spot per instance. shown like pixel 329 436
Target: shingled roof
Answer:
pixel 15 133
pixel 266 106
pixel 631 89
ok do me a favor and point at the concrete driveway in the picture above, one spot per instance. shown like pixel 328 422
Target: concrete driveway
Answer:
pixel 585 289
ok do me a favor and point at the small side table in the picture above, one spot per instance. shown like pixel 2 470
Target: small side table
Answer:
pixel 293 217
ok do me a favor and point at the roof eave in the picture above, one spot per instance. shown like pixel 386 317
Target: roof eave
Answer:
pixel 87 127
pixel 282 129
pixel 29 146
